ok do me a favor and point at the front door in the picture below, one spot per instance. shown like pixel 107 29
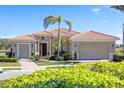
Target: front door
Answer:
pixel 43 49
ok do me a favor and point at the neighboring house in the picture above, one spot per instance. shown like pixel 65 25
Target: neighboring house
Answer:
pixel 86 45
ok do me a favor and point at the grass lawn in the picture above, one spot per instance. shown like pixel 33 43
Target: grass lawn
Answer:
pixel 41 63
pixel 11 68
pixel 9 64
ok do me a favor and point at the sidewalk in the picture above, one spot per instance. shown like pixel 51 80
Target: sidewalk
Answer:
pixel 28 64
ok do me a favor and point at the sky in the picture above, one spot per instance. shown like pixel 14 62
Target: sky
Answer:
pixel 16 20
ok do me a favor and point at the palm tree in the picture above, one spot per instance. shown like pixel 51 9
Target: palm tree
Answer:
pixel 52 20
pixel 120 8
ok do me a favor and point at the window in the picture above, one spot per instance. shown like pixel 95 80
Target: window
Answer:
pixel 75 45
pixel 42 38
pixel 32 45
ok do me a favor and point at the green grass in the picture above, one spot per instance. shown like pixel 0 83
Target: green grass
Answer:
pixel 11 68
pixel 41 63
pixel 9 64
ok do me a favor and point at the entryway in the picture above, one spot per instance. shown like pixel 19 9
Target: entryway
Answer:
pixel 43 49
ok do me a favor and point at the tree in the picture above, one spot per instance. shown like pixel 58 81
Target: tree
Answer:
pixel 50 20
pixel 63 42
pixel 6 43
pixel 120 8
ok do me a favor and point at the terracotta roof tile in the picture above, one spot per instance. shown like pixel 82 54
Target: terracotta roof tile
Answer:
pixel 64 32
pixel 24 37
pixel 92 36
pixel 42 33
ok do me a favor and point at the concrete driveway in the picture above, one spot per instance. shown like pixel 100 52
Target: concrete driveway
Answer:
pixel 13 73
pixel 28 64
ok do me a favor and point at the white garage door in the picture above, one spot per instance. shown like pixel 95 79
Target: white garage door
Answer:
pixel 88 51
pixel 23 50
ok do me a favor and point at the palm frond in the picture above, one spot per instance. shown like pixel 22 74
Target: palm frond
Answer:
pixel 119 7
pixel 49 20
pixel 68 23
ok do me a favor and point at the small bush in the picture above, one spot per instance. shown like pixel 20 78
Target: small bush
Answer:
pixel 2 56
pixel 10 54
pixel 118 58
pixel 8 59
pixel 67 56
pixel 36 57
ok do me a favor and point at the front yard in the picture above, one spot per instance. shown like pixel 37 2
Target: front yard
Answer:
pixel 97 75
pixel 9 64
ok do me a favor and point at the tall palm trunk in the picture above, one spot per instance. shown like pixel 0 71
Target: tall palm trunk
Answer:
pixel 59 41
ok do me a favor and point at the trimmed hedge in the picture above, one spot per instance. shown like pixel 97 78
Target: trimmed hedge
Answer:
pixel 98 75
pixel 8 59
pixel 2 56
pixel 111 68
pixel 119 57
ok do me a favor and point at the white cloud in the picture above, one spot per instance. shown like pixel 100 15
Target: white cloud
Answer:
pixel 96 10
pixel 104 21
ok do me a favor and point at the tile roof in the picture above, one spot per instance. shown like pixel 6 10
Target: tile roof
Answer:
pixel 93 36
pixel 42 33
pixel 24 37
pixel 64 32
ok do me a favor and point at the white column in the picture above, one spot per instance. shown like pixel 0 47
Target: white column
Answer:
pixel 77 50
pixel 17 45
pixel 72 50
pixel 29 50
pixel 38 48
pixel 35 48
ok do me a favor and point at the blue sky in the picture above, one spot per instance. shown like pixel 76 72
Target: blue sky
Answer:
pixel 16 20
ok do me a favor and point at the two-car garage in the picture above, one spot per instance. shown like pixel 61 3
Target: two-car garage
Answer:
pixel 93 51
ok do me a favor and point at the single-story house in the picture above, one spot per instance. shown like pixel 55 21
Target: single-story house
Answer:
pixel 85 45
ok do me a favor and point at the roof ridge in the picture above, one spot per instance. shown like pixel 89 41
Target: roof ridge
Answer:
pixel 78 35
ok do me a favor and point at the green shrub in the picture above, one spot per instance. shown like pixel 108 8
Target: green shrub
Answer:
pixel 76 77
pixel 36 57
pixel 2 56
pixel 67 56
pixel 119 57
pixel 8 59
pixel 115 69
